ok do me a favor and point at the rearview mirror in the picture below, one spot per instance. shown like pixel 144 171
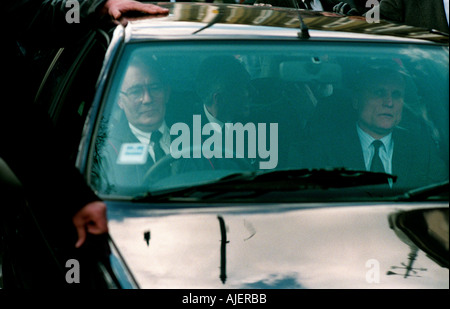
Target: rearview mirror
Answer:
pixel 306 71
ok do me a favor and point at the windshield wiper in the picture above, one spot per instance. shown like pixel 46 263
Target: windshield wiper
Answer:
pixel 430 192
pixel 255 183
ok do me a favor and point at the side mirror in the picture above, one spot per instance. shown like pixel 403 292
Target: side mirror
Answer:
pixel 425 229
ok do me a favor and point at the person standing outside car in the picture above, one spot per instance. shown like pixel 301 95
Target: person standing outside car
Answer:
pixel 430 14
pixel 65 207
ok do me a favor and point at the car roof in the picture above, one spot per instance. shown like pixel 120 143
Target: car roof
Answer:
pixel 190 20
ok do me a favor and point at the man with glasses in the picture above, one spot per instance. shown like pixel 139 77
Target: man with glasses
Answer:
pixel 141 137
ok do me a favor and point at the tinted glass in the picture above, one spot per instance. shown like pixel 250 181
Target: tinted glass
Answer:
pixel 225 108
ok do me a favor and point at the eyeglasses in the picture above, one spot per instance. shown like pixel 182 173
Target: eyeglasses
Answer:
pixel 137 93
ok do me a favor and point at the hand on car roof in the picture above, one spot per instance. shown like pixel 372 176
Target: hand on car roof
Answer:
pixel 117 8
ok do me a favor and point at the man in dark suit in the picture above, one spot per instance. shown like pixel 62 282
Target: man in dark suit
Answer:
pixel 376 142
pixel 228 131
pixel 429 14
pixel 141 137
pixel 222 84
pixel 350 7
pixel 62 209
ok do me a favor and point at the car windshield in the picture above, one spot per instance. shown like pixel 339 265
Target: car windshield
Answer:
pixel 206 111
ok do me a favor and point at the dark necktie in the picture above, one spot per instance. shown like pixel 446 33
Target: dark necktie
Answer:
pixel 155 138
pixel 377 165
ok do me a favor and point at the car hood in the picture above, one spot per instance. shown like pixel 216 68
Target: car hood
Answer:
pixel 276 246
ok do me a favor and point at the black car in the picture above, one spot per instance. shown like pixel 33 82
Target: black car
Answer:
pixel 266 117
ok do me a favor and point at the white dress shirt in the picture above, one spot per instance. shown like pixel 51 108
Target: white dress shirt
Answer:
pixel 212 119
pixel 316 5
pixel 446 9
pixel 144 138
pixel 385 152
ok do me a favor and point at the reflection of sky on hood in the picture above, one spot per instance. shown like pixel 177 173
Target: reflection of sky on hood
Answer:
pixel 315 248
pixel 272 282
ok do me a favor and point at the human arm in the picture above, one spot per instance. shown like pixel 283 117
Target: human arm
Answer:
pixel 90 219
pixel 31 148
pixel 116 8
pixel 392 10
pixel 63 21
pixel 346 8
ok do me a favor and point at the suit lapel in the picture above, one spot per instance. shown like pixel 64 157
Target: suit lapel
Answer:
pixel 353 154
pixel 347 150
pixel 429 12
pixel 400 159
pixel 440 14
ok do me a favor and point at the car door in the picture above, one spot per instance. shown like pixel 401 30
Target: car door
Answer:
pixel 68 87
pixel 65 92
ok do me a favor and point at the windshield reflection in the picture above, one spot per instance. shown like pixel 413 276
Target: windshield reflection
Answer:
pixel 201 112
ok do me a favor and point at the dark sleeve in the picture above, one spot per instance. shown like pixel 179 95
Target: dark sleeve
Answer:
pixel 392 10
pixel 438 170
pixel 30 147
pixel 282 3
pixel 52 21
pixel 28 142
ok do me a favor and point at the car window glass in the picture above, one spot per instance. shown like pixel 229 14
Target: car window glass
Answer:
pixel 293 108
pixel 71 85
